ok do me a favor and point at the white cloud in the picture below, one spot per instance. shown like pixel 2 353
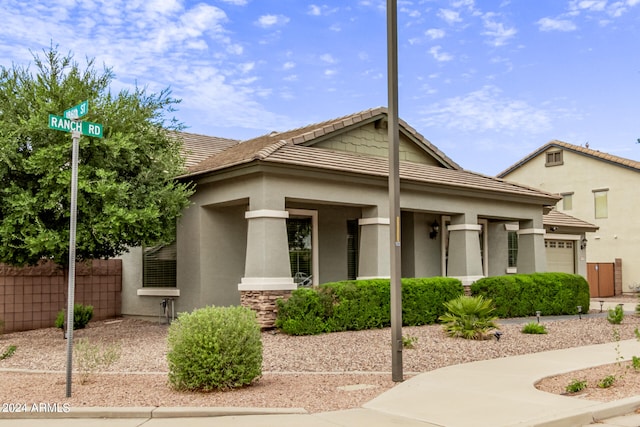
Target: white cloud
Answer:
pixel 328 58
pixel 591 5
pixel 487 110
pixel 267 21
pixel 434 33
pixel 330 72
pixel 315 10
pixel 550 24
pixel 496 31
pixel 246 67
pixel 439 56
pixel 237 2
pixel 449 16
pixel 288 65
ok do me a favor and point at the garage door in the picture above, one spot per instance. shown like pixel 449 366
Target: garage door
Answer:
pixel 560 255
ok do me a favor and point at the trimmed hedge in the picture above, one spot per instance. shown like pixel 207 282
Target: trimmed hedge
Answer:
pixel 521 295
pixel 363 304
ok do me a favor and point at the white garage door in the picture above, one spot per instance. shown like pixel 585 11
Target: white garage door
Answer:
pixel 560 255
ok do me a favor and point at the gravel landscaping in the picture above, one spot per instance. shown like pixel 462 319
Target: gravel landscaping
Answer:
pixel 319 373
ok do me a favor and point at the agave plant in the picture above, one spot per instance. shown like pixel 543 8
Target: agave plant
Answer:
pixel 469 317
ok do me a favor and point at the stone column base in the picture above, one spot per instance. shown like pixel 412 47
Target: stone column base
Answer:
pixel 264 304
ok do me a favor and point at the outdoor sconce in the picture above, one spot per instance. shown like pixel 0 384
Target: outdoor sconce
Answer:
pixel 538 315
pixel 583 243
pixel 580 312
pixel 601 304
pixel 435 229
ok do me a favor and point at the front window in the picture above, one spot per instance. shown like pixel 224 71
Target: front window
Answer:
pixel 159 266
pixel 300 246
pixel 513 249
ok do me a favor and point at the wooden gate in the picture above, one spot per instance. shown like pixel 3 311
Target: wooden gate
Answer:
pixel 601 279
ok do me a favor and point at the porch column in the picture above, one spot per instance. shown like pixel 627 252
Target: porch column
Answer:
pixel 465 262
pixel 267 272
pixel 373 262
pixel 531 252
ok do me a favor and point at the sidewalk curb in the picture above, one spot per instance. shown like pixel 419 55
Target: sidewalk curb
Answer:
pixel 598 412
pixel 148 412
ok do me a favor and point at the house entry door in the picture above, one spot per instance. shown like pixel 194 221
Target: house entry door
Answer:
pixel 601 279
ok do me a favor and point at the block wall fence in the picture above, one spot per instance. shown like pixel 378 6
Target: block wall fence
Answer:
pixel 31 297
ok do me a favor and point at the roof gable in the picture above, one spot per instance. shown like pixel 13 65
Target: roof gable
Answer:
pixel 326 135
pixel 594 154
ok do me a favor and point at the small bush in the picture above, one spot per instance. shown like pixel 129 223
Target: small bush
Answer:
pixel 607 381
pixel 576 386
pixel 615 315
pixel 635 362
pixel 534 328
pixel 409 341
pixel 469 317
pixel 91 358
pixel 8 352
pixel 82 314
pixel 214 348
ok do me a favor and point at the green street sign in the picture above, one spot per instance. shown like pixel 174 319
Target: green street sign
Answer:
pixel 68 125
pixel 77 111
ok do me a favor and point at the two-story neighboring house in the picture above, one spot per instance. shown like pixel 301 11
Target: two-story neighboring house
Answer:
pixel 598 188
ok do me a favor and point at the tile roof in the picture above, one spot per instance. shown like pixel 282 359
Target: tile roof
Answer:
pixel 294 148
pixel 318 158
pixel 561 219
pixel 197 148
pixel 610 158
pixel 262 146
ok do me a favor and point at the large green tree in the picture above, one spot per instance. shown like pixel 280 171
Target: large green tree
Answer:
pixel 127 195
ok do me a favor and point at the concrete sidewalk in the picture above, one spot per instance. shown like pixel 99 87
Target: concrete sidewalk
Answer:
pixel 492 393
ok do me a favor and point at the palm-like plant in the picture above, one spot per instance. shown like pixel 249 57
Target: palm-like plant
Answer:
pixel 469 317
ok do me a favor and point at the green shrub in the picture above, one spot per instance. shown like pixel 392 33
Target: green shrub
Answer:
pixel 576 386
pixel 469 317
pixel 408 341
pixel 8 352
pixel 82 314
pixel 635 362
pixel 305 312
pixel 615 315
pixel 607 381
pixel 521 295
pixel 423 299
pixel 363 304
pixel 214 348
pixel 358 305
pixel 534 328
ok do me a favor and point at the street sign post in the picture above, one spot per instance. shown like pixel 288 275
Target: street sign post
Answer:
pixel 77 111
pixel 70 123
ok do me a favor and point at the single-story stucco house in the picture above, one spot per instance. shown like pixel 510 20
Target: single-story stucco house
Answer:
pixel 311 205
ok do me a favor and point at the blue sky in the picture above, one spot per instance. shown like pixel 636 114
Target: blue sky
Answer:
pixel 486 81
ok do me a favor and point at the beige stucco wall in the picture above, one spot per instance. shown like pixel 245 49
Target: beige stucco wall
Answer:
pixel 619 234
